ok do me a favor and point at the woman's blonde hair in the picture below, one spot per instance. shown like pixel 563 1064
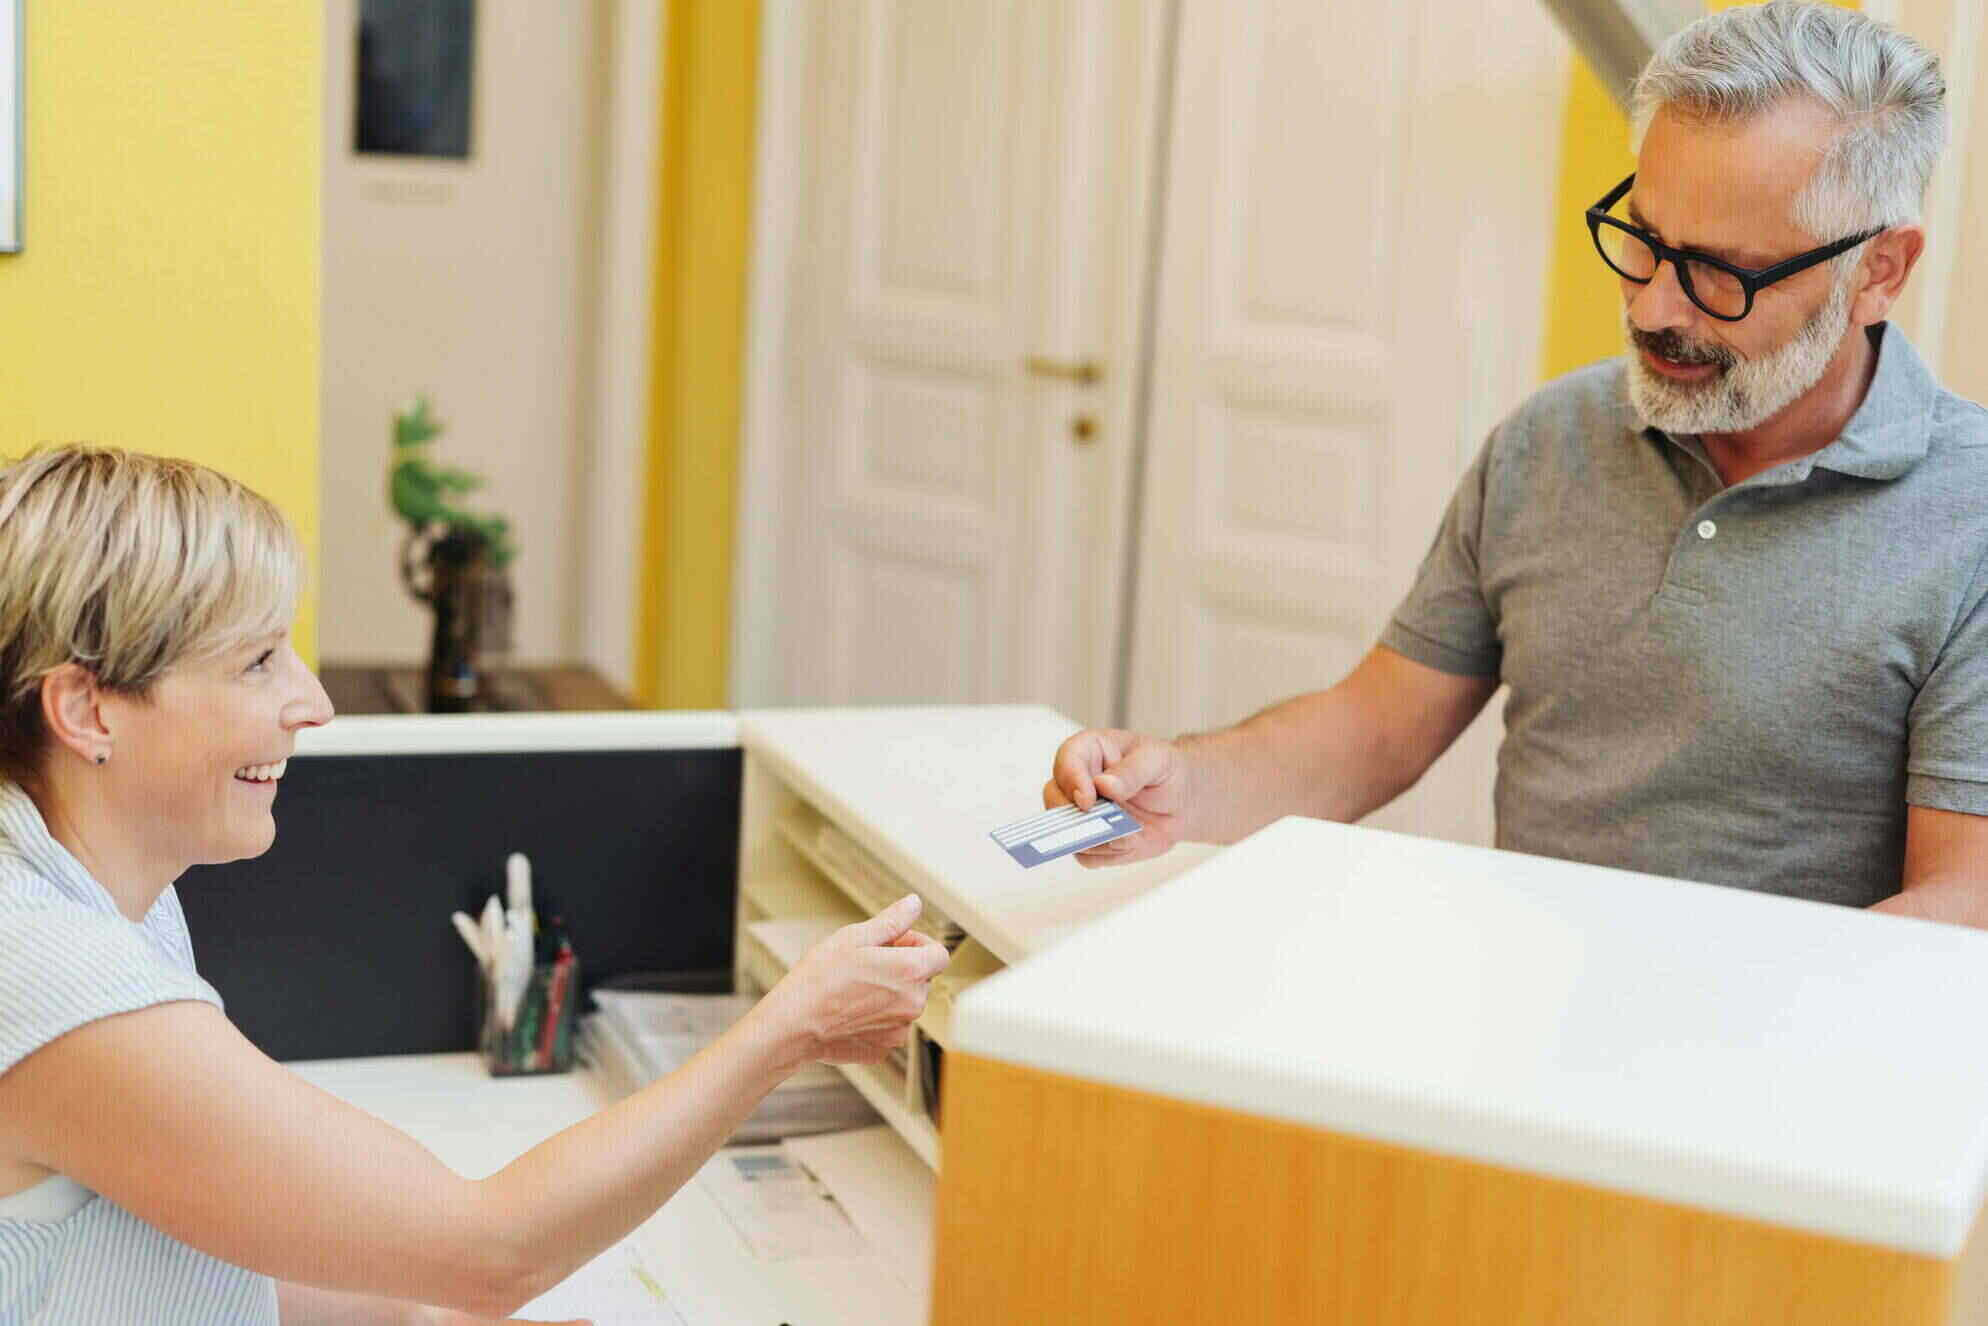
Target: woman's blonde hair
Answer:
pixel 128 565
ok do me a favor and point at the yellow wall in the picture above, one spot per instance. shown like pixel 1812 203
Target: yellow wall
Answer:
pixel 704 229
pixel 166 297
pixel 1584 300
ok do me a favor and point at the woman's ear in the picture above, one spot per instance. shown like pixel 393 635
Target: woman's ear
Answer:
pixel 72 711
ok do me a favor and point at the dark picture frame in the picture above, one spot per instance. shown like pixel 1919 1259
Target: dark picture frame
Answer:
pixel 416 76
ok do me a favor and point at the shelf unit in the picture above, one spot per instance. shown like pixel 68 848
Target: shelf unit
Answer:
pixel 797 866
pixel 845 811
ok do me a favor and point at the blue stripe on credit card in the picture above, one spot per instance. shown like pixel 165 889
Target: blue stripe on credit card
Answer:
pixel 1059 832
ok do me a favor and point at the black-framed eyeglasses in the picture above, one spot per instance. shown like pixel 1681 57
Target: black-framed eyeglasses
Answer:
pixel 1718 287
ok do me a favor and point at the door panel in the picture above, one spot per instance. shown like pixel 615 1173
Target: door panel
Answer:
pixel 1319 381
pixel 971 202
pixel 878 588
pixel 936 150
pixel 918 310
pixel 1276 351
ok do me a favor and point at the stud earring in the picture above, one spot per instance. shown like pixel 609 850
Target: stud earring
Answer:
pixel 102 755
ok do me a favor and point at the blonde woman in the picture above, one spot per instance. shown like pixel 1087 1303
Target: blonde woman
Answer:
pixel 154 1166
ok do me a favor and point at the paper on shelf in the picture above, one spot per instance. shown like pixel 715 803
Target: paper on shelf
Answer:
pixel 665 1030
pixel 638 1037
pixel 885 1189
pixel 778 1208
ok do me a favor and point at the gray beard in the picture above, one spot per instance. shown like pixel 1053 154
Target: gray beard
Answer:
pixel 1750 392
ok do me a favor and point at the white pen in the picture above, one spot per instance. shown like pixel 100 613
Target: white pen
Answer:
pixel 493 931
pixel 471 936
pixel 518 880
pixel 514 967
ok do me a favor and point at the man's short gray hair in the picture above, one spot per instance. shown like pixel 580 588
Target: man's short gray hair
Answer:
pixel 1885 87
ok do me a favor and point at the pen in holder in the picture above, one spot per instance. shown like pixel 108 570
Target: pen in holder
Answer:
pixel 527 981
pixel 538 1036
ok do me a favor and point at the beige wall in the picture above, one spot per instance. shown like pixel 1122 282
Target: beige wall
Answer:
pixel 470 281
pixel 1946 307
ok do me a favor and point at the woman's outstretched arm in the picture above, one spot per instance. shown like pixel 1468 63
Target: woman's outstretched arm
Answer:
pixel 171 1113
pixel 307 1305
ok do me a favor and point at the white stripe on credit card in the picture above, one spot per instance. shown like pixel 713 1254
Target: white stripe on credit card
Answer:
pixel 1088 829
pixel 1022 830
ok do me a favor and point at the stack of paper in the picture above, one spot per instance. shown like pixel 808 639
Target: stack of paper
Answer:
pixel 887 1192
pixel 873 885
pixel 639 1036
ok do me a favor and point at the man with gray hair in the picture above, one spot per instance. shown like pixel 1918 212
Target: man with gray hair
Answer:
pixel 1737 582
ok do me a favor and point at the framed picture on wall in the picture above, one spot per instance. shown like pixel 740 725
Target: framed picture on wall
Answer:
pixel 416 66
pixel 10 125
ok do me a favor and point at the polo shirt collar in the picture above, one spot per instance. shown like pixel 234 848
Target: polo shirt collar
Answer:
pixel 1893 426
pixel 1888 435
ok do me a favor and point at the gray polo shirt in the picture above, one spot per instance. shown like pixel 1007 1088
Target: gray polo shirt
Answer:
pixel 1742 685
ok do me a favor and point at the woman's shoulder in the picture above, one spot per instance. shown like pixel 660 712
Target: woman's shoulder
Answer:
pixel 64 964
pixel 25 889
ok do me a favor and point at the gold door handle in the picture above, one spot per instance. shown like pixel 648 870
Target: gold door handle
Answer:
pixel 1083 372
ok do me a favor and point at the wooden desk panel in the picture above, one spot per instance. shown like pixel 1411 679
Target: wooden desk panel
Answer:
pixel 397 688
pixel 1064 1200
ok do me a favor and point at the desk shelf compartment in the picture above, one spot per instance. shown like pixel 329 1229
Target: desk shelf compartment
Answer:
pixel 758 970
pixel 888 1087
pixel 971 964
pixel 767 950
pixel 776 883
pixel 872 804
pixel 867 882
pixel 801 874
pixel 781 893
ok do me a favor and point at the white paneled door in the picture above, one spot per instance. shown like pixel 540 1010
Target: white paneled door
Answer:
pixel 964 321
pixel 1356 232
pixel 1326 222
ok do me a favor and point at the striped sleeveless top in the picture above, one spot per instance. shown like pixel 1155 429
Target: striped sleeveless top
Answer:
pixel 68 957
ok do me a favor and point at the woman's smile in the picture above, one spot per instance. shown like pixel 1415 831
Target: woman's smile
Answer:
pixel 265 774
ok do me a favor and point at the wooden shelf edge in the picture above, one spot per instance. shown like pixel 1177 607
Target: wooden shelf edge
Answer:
pixel 888 1098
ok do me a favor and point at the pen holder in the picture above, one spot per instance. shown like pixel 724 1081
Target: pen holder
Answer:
pixel 539 1038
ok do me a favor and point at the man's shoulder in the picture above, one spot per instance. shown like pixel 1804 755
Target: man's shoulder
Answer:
pixel 1568 414
pixel 1955 427
pixel 1959 430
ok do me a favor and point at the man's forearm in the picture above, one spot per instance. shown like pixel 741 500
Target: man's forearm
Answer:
pixel 1954 899
pixel 1321 755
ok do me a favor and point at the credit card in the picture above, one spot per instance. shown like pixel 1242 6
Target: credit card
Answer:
pixel 1059 832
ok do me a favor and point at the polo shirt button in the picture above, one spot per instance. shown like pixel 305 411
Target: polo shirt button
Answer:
pixel 1706 529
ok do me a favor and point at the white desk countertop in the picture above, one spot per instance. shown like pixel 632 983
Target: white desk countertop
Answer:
pixel 922 788
pixel 1811 1066
pixel 476 1124
pixel 474 734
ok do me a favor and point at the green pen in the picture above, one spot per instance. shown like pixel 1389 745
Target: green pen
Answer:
pixel 524 1036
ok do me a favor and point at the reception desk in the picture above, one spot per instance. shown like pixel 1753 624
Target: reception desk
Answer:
pixel 673 845
pixel 1338 1075
pixel 1325 1075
